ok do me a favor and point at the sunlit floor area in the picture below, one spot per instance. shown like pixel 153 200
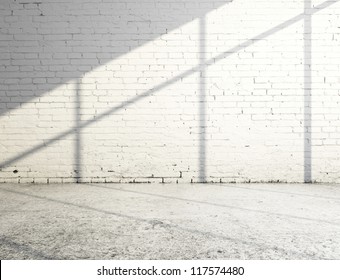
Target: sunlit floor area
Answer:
pixel 170 221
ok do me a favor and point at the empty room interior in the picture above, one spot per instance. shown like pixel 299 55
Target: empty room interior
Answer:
pixel 169 129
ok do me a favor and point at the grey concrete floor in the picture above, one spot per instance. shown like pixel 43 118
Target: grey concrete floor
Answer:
pixel 147 221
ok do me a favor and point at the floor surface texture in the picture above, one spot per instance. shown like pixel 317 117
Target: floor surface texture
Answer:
pixel 169 221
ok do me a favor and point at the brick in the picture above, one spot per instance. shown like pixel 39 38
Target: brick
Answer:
pixel 124 79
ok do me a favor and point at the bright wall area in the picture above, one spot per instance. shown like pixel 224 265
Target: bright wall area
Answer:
pixel 169 91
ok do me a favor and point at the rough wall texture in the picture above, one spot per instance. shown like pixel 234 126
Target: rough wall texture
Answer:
pixel 169 90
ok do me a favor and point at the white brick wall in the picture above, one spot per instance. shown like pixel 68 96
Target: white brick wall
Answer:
pixel 169 90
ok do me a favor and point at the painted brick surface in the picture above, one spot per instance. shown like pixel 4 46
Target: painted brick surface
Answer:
pixel 169 91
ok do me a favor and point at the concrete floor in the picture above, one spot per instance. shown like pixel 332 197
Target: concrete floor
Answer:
pixel 222 221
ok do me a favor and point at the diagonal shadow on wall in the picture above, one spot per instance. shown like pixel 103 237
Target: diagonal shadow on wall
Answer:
pixel 66 40
pixel 308 12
